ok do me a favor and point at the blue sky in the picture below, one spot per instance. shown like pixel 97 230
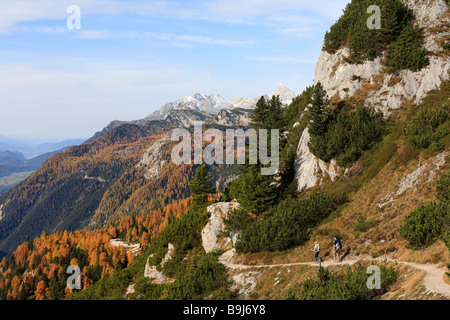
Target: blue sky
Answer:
pixel 131 57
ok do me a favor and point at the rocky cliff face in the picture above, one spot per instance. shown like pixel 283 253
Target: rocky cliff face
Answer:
pixel 157 276
pixel 233 118
pixel 369 85
pixel 211 233
pixel 309 169
pixel 152 160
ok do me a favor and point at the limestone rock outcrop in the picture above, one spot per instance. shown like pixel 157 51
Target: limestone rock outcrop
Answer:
pixel 157 276
pixel 211 233
pixel 310 170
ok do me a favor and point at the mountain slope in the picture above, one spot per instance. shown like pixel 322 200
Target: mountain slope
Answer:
pixel 65 192
pixel 14 168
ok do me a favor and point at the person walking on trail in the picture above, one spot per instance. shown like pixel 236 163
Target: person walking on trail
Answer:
pixel 219 198
pixel 337 249
pixel 316 252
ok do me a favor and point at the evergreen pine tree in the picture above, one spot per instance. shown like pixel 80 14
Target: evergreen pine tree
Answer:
pixel 260 112
pixel 200 187
pixel 258 192
pixel 268 114
pixel 319 111
pixel 274 119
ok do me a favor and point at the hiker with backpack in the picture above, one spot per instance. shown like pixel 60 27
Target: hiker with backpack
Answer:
pixel 337 249
pixel 316 250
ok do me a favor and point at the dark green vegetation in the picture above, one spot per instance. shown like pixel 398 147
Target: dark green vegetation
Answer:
pixel 292 113
pixel 255 192
pixel 200 187
pixel 284 226
pixel 341 134
pixel 397 36
pixel 363 224
pixel 430 222
pixel 268 114
pixel 428 128
pixel 348 285
pixel 445 45
pixel 406 52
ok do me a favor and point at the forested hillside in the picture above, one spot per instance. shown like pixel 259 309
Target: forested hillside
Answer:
pixel 66 191
pixel 38 268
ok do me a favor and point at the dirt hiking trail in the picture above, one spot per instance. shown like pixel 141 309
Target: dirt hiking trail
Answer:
pixel 433 280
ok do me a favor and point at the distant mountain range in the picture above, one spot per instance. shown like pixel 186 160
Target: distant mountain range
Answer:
pixel 30 149
pixel 201 107
pixel 214 102
pixel 15 167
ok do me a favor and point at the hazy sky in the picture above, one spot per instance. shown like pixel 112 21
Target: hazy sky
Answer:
pixel 130 57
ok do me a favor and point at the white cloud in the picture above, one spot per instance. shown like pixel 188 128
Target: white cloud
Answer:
pixel 14 12
pixel 284 59
pixel 95 34
pixel 199 39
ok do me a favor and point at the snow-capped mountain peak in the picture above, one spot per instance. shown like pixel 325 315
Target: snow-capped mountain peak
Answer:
pixel 286 94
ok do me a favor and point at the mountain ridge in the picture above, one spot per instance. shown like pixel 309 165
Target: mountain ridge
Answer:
pixel 200 102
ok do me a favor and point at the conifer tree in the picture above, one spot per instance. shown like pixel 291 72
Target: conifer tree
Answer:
pixel 319 111
pixel 257 192
pixel 260 112
pixel 274 118
pixel 200 187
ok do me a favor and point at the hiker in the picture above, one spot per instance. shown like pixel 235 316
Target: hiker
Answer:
pixel 337 249
pixel 316 250
pixel 219 198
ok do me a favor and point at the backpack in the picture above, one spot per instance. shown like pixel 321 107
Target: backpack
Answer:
pixel 338 244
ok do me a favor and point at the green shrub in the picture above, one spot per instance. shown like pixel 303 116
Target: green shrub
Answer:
pixel 432 221
pixel 255 192
pixel 363 224
pixel 422 130
pixel 443 187
pixel 422 226
pixel 145 290
pixel 238 220
pixel 437 146
pixel 407 52
pixel 446 238
pixel 292 113
pixel 346 136
pixel 109 288
pixel 201 278
pixel 287 224
pixel 445 45
pixel 350 285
